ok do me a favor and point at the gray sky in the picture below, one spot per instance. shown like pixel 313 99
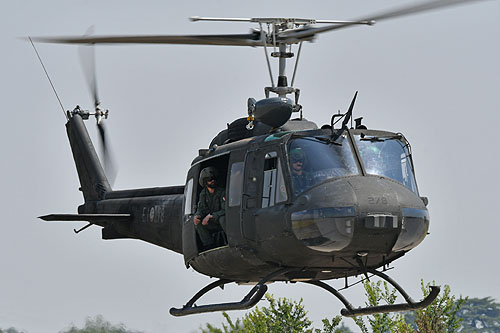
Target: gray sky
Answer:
pixel 433 77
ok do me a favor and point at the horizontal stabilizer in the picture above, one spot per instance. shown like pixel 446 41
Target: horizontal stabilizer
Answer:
pixel 92 218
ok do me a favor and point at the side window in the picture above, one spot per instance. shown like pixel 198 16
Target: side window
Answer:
pixel 235 184
pixel 188 197
pixel 273 188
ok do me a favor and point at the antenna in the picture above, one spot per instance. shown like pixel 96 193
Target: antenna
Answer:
pixel 48 77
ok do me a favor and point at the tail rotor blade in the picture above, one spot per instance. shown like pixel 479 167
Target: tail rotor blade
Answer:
pixel 107 156
pixel 87 60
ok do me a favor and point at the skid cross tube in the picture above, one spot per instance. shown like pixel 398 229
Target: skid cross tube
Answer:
pixel 350 311
pixel 252 298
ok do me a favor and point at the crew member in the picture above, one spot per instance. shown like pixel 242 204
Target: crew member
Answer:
pixel 301 179
pixel 210 214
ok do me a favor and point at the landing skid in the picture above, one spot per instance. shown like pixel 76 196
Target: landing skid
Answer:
pixel 251 299
pixel 256 293
pixel 350 311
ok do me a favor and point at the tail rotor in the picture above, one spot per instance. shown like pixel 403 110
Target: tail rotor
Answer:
pixel 87 60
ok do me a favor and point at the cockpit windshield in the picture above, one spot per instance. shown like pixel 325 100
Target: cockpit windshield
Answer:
pixel 315 159
pixel 388 157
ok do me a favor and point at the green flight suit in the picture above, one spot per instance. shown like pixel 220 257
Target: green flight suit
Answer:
pixel 214 204
pixel 301 182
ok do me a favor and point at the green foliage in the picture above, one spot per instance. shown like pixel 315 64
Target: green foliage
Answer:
pixel 380 322
pixel 444 315
pixel 440 316
pixel 10 330
pixel 282 315
pixel 98 325
pixel 383 322
pixel 401 326
pixel 480 315
pixel 333 326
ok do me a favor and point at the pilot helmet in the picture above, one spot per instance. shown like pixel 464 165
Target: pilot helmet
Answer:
pixel 297 154
pixel 206 174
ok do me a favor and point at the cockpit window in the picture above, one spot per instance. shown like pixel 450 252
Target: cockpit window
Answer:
pixel 235 184
pixel 388 157
pixel 273 187
pixel 315 159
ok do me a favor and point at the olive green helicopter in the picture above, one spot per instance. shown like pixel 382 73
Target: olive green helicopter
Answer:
pixel 298 203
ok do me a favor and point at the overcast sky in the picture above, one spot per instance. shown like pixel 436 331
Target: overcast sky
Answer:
pixel 433 77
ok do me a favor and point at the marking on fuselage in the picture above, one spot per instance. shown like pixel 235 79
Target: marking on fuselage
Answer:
pixel 153 214
pixel 377 200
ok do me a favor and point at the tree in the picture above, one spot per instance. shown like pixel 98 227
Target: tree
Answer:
pixel 440 316
pixel 282 315
pixel 480 315
pixel 98 325
pixel 382 322
pixel 10 330
pixel 443 315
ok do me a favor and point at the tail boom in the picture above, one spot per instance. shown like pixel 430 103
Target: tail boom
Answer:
pixel 93 181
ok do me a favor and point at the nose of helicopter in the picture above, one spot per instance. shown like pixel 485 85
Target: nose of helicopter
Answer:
pixel 366 214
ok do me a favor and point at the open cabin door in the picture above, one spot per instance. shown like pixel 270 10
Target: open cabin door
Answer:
pixel 191 243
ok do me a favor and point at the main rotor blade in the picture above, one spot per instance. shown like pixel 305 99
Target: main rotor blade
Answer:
pixel 252 39
pixel 87 60
pixel 308 33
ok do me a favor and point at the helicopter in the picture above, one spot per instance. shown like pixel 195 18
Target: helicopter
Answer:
pixel 360 211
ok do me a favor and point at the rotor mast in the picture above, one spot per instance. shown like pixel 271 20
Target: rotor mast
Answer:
pixel 282 89
pixel 276 27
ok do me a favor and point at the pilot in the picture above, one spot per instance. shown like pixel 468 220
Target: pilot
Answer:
pixel 210 215
pixel 301 179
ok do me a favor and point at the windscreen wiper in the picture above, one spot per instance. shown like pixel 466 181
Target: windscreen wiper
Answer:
pixel 381 138
pixel 400 137
pixel 327 140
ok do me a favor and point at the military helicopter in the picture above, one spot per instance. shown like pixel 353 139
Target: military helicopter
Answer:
pixel 355 210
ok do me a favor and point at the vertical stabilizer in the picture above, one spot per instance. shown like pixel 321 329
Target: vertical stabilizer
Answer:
pixel 93 181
